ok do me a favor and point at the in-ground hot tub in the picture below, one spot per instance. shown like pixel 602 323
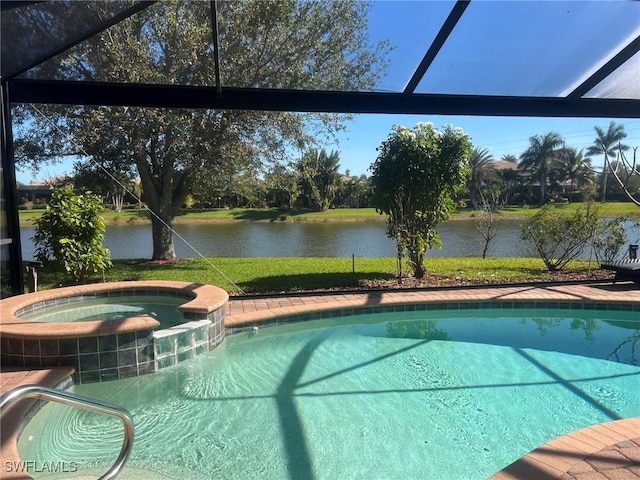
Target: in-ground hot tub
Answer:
pixel 112 330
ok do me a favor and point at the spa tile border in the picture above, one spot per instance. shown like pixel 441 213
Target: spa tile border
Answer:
pixel 94 358
pixel 141 292
pixel 204 299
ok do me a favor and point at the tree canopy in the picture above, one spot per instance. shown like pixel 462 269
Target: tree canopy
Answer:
pixel 608 143
pixel 416 174
pixel 174 150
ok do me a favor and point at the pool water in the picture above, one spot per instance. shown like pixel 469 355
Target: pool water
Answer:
pixel 162 308
pixel 435 394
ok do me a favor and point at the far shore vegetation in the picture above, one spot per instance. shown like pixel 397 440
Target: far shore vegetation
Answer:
pixel 136 215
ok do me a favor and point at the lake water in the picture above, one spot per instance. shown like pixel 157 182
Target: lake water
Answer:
pixel 304 239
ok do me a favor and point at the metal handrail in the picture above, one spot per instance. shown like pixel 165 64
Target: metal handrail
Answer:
pixel 86 403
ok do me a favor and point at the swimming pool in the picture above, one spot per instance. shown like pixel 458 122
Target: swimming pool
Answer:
pixel 423 394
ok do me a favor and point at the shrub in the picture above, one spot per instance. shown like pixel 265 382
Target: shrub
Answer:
pixel 70 232
pixel 609 238
pixel 560 238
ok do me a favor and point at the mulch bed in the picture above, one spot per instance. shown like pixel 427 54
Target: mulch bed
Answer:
pixel 430 281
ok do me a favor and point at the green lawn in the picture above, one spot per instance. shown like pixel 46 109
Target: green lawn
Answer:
pixel 611 209
pixel 253 275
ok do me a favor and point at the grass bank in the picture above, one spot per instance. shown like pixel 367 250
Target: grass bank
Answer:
pixel 129 216
pixel 267 275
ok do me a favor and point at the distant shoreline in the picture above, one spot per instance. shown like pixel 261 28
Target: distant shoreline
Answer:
pixel 338 215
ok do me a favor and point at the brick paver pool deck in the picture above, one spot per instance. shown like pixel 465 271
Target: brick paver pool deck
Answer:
pixel 608 451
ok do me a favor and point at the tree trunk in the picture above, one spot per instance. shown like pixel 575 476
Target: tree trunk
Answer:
pixel 117 199
pixel 571 192
pixel 605 172
pixel 165 192
pixel 543 186
pixel 419 267
pixel 418 264
pixel 485 249
pixel 162 239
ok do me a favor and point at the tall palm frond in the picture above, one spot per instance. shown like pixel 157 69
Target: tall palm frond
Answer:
pixel 483 172
pixel 538 158
pixel 607 143
pixel 318 176
pixel 572 165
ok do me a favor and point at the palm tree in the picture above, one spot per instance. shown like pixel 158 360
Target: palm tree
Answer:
pixel 575 167
pixel 318 177
pixel 509 158
pixel 483 172
pixel 606 143
pixel 538 158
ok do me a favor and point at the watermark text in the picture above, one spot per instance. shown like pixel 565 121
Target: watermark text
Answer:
pixel 34 466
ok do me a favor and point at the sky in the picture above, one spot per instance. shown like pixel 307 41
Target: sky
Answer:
pixel 496 48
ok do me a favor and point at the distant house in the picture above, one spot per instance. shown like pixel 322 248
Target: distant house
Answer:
pixel 40 192
pixel 34 192
pixel 500 165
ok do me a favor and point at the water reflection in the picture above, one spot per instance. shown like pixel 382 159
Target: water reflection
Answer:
pixel 418 329
pixel 460 238
pixel 299 239
pixel 585 334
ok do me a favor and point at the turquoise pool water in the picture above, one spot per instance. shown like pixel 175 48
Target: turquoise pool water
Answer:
pixel 435 394
pixel 162 308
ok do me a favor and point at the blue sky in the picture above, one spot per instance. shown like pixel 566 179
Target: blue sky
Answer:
pixel 497 48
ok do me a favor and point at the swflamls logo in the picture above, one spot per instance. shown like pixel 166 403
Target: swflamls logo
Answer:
pixel 32 466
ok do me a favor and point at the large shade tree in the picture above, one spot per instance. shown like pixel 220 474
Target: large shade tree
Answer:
pixel 284 44
pixel 416 174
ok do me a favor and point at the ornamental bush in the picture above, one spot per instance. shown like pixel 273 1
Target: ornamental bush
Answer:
pixel 70 233
pixel 414 178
